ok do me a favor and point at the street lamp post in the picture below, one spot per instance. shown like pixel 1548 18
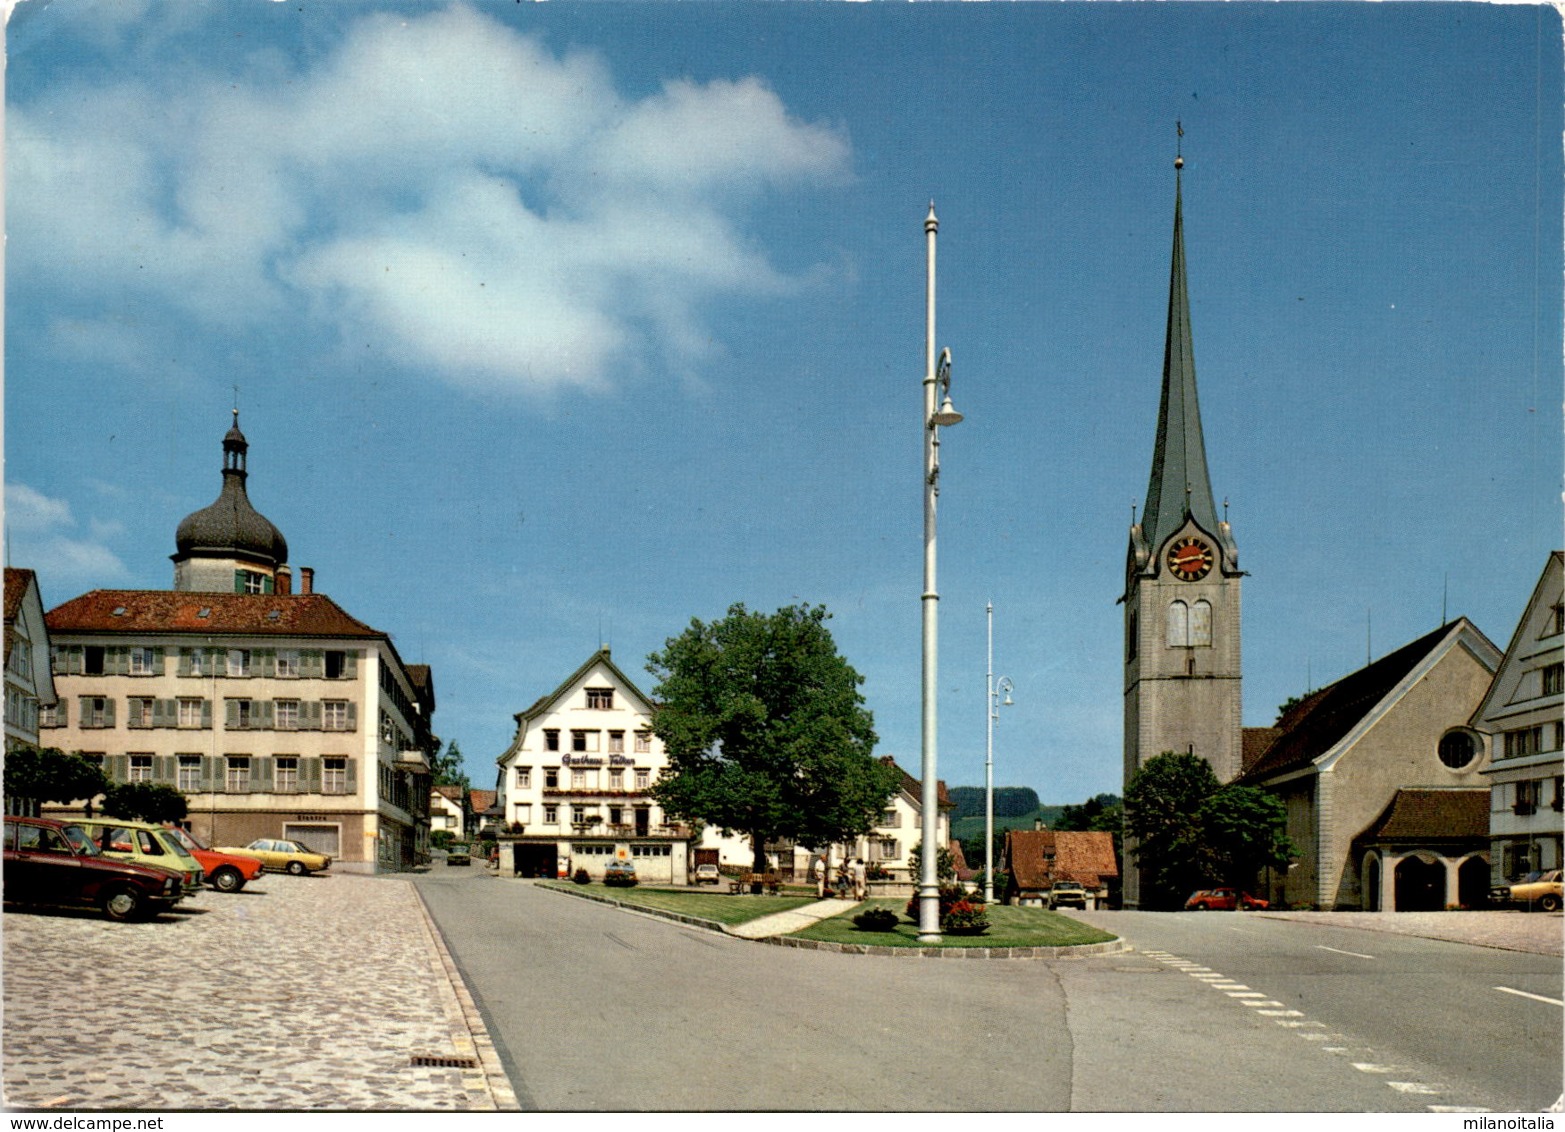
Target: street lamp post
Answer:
pixel 937 412
pixel 993 705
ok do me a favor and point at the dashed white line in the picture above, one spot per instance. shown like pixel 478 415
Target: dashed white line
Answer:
pixel 1339 951
pixel 1528 994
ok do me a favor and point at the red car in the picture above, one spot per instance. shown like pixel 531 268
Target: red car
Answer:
pixel 1223 900
pixel 226 872
pixel 51 862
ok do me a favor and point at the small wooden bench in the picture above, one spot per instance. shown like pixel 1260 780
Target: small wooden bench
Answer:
pixel 771 881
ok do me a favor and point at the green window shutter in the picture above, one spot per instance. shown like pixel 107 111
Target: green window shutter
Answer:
pixel 116 661
pixel 74 663
pixel 59 659
pixel 164 713
pixel 183 666
pixel 239 581
pixel 350 663
pixel 353 716
pixel 264 661
pixel 164 769
pixel 260 774
pixel 157 660
pixel 312 664
pixel 231 715
pixel 268 585
pixel 108 712
pixel 206 715
pixel 310 776
pixel 310 715
pixel 262 714
pixel 117 767
pixel 209 766
pixel 353 775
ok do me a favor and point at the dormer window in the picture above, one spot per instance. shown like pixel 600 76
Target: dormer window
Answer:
pixel 600 699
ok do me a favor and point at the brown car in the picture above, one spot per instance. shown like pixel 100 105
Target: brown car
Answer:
pixel 51 862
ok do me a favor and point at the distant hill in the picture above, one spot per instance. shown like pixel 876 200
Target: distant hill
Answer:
pixel 1009 801
pixel 972 826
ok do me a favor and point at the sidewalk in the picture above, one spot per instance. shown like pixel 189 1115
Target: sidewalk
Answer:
pixel 785 923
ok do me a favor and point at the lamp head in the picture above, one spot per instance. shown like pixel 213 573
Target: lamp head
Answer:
pixel 947 414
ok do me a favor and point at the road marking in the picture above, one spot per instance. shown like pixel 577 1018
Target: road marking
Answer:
pixel 1339 951
pixel 1456 1108
pixel 1371 1067
pixel 1281 1013
pixel 1417 1087
pixel 1259 1002
pixel 1244 994
pixel 1526 994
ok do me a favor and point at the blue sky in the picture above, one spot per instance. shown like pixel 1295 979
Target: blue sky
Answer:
pixel 566 323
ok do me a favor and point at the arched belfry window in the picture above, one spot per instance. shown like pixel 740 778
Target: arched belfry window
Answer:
pixel 1178 624
pixel 1201 623
pixel 1130 636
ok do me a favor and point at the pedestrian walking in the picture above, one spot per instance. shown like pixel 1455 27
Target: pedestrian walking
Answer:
pixel 819 870
pixel 859 878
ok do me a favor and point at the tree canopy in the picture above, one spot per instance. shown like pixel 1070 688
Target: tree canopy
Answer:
pixel 48 774
pixel 448 768
pixel 145 801
pixel 765 730
pixel 1192 831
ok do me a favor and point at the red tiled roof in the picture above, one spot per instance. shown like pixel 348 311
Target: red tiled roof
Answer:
pixel 483 800
pixel 1036 858
pixel 177 611
pixel 1432 814
pixel 16 581
pixel 450 793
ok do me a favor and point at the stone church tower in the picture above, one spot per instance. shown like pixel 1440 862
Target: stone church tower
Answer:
pixel 1182 577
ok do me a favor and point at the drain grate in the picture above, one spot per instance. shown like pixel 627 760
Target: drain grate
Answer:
pixel 431 1061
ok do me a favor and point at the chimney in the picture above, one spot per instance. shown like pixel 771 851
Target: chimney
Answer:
pixel 284 580
pixel 1037 824
pixel 306 579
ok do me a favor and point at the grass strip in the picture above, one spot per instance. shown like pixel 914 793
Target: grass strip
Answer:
pixel 718 906
pixel 1009 927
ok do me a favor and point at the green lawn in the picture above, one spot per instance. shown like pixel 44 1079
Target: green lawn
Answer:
pixel 718 906
pixel 1008 927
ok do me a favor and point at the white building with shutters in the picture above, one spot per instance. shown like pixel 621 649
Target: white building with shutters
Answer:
pixel 275 713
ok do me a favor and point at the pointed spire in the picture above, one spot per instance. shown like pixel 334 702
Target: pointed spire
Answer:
pixel 1179 486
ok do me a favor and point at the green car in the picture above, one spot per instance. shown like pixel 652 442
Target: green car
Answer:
pixel 459 855
pixel 146 844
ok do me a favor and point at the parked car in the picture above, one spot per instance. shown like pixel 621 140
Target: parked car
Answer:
pixel 1067 893
pixel 144 843
pixel 284 856
pixel 459 855
pixel 708 874
pixel 226 872
pixel 1535 890
pixel 1223 900
pixel 51 862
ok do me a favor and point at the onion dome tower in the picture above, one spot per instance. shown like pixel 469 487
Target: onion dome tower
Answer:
pixel 229 546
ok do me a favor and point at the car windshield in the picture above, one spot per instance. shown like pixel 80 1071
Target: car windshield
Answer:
pixel 79 840
pixel 185 838
pixel 177 847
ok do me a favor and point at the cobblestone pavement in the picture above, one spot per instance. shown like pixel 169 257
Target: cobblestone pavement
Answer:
pixel 299 993
pixel 1537 932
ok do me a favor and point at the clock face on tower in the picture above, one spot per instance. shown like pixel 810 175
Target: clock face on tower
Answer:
pixel 1189 559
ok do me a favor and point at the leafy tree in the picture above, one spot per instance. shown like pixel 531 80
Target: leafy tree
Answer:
pixel 1162 804
pixel 448 768
pixel 1243 832
pixel 48 774
pixel 145 801
pixel 1287 705
pixel 765 730
pixel 945 864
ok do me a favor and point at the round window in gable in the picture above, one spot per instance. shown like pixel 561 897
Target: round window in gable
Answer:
pixel 1458 749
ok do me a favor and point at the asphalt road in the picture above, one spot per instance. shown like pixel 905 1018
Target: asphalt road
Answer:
pixel 596 1009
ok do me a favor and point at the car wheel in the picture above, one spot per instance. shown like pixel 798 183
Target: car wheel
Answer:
pixel 228 879
pixel 124 904
pixel 1549 902
pixel 296 868
pixel 1199 908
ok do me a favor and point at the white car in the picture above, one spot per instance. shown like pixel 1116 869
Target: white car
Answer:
pixel 707 874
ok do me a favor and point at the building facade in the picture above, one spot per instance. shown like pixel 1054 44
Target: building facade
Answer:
pixel 29 684
pixel 1520 722
pixel 1182 584
pixel 275 713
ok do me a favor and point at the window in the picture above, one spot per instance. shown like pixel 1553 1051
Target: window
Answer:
pixel 334 715
pixel 1458 750
pixel 1130 637
pixel 551 815
pixel 97 711
pixel 239 662
pixel 139 713
pixel 194 714
pixel 189 779
pixel 1556 621
pixel 1559 794
pixel 1554 679
pixel 92 660
pixel 146 662
pixel 1527 798
pixel 643 742
pixel 584 742
pixel 551 739
pixel 578 779
pixel 616 815
pixel 334 776
pixel 650 850
pixel 20 661
pixel 1201 624
pixel 600 699
pixel 140 768
pixel 891 819
pixel 237 779
pixel 1518 744
pixel 616 742
pixel 336 664
pixel 242 715
pixel 199 663
pixel 285 715
pixel 288 663
pixel 888 849
pixel 524 777
pixel 617 779
pixel 551 778
pixel 643 778
pixel 285 774
pixel 53 715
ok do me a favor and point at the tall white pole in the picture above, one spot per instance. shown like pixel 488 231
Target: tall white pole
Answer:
pixel 989 711
pixel 928 884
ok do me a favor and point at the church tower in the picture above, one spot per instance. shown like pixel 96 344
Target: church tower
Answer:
pixel 229 546
pixel 1181 653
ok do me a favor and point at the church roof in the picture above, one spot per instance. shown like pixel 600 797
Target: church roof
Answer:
pixel 230 526
pixel 17 579
pixel 1428 814
pixel 153 612
pixel 1179 484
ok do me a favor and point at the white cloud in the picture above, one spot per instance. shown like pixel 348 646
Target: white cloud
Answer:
pixel 42 536
pixel 441 187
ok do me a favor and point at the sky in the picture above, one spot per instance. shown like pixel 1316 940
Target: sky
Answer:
pixel 559 325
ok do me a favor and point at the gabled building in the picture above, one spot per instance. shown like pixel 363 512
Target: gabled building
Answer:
pixel 276 713
pixel 451 811
pixel 1035 858
pixel 574 785
pixel 890 844
pixel 1520 722
pixel 29 685
pixel 1379 772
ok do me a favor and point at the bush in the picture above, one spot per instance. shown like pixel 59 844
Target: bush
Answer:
pixel 950 896
pixel 620 879
pixel 876 871
pixel 965 918
pixel 875 920
pixel 581 877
